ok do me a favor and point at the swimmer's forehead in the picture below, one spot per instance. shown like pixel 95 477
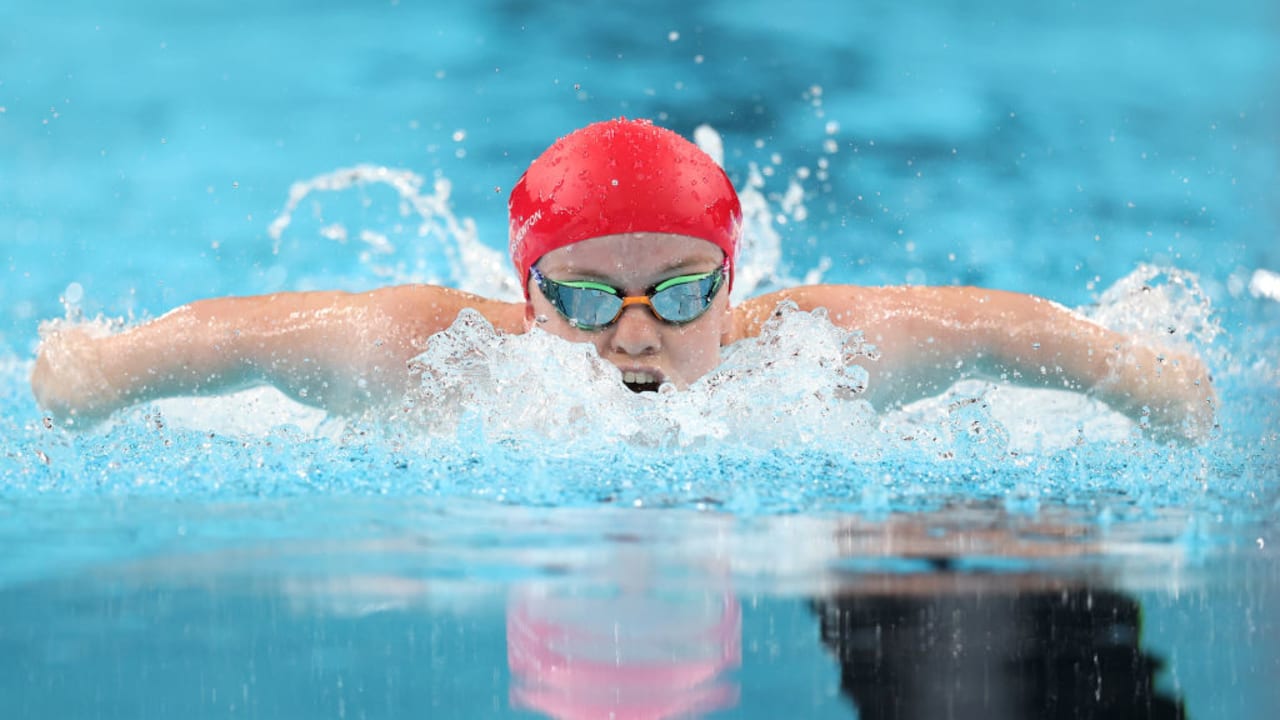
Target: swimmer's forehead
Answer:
pixel 634 255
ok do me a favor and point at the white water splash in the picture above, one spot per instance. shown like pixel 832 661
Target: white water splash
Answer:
pixel 1164 306
pixel 798 383
pixel 1265 284
pixel 710 142
pixel 470 264
pixel 759 266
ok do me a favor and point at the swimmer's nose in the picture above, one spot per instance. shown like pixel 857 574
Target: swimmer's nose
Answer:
pixel 636 332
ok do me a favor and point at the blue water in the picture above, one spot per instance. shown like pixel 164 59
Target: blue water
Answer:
pixel 246 557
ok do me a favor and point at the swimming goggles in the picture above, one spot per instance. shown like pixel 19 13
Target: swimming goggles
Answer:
pixel 590 305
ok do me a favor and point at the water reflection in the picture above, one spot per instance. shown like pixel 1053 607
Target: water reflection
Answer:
pixel 918 630
pixel 641 615
pixel 992 653
pixel 1049 654
pixel 972 613
pixel 625 654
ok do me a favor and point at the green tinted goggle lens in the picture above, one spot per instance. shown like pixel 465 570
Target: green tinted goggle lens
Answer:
pixel 590 305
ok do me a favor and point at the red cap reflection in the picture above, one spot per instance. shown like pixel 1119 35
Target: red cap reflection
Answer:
pixel 629 657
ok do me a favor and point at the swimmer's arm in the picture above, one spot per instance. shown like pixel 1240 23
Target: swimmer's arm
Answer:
pixel 339 351
pixel 931 337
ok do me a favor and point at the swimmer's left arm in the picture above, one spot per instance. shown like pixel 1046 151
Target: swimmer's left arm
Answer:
pixel 931 337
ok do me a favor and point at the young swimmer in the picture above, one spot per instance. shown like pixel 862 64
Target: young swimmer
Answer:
pixel 623 235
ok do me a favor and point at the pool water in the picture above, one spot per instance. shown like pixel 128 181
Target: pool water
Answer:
pixel 531 540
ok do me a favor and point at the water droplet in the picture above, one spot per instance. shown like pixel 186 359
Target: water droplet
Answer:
pixel 541 318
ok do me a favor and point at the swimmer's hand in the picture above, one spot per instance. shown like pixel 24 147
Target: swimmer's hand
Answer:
pixel 1168 392
pixel 67 379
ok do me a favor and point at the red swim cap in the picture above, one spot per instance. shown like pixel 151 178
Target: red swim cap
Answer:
pixel 620 176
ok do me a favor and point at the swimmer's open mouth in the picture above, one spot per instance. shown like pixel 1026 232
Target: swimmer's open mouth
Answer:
pixel 641 381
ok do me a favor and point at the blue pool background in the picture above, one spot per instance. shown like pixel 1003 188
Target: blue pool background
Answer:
pixel 145 149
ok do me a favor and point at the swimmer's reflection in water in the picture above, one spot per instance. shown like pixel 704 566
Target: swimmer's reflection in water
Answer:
pixel 1041 654
pixel 992 653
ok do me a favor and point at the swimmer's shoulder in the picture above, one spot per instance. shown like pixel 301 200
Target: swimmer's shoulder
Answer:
pixel 432 308
pixel 845 304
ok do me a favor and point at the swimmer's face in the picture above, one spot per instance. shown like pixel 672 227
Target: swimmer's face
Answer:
pixel 647 350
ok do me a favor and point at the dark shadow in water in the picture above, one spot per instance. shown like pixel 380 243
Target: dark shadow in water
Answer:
pixel 1070 653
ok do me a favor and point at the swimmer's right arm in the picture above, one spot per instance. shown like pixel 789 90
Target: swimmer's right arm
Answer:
pixel 338 351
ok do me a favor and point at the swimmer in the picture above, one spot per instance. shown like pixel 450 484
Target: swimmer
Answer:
pixel 623 235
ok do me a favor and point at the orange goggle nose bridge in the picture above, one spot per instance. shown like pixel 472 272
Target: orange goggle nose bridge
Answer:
pixel 636 300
